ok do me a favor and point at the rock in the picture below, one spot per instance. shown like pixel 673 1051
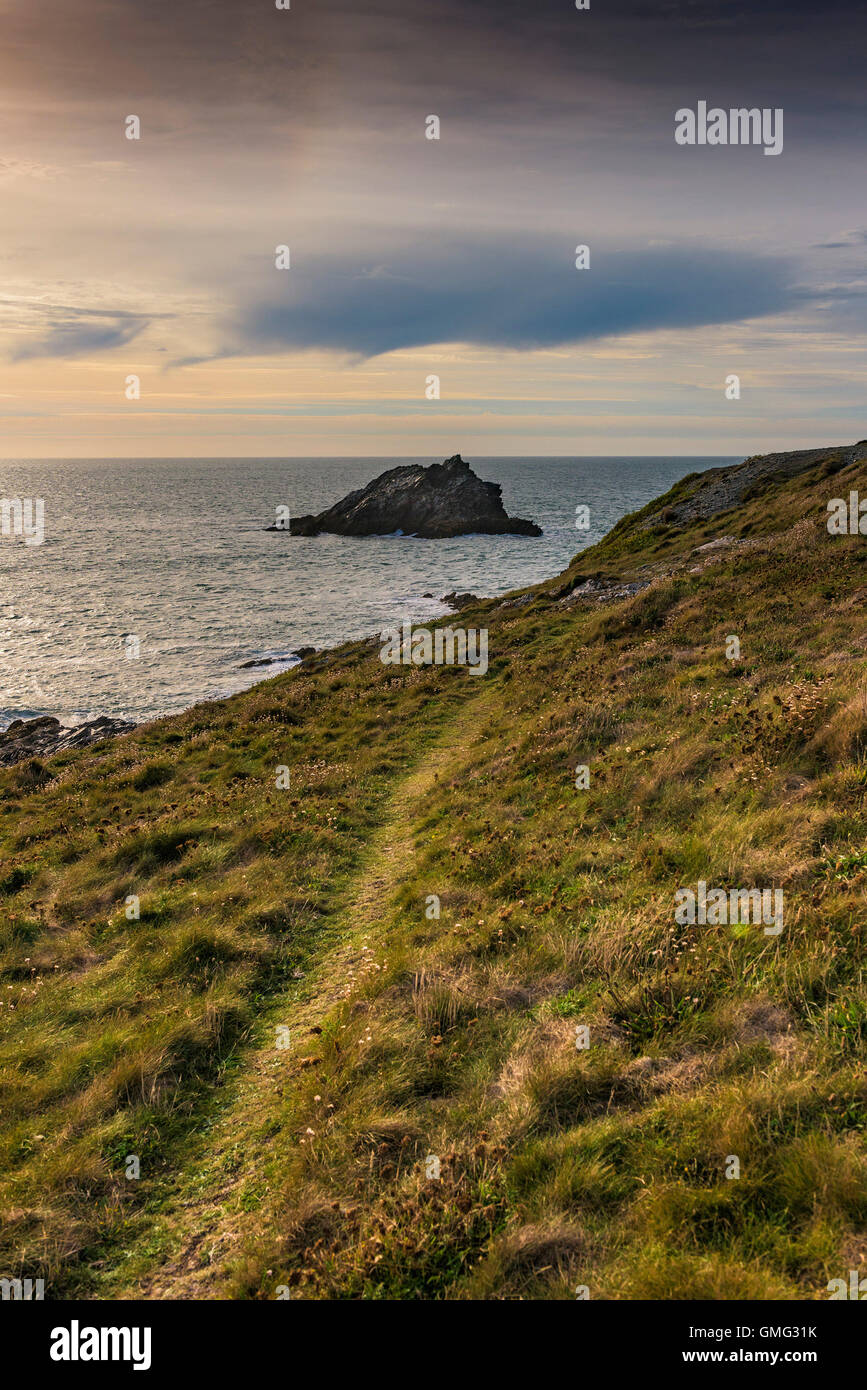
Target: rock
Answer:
pixel 455 600
pixel 520 601
pixel 721 543
pixel 39 738
pixel 46 723
pixel 445 499
pixel 720 489
pixel 599 591
pixel 300 653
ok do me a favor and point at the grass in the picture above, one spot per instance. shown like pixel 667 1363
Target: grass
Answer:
pixel 166 910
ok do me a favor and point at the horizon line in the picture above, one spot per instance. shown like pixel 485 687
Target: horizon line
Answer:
pixel 253 458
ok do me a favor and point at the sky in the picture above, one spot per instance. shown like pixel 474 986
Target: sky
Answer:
pixel 413 258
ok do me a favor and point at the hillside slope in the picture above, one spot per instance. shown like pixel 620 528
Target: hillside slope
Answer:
pixel 285 1038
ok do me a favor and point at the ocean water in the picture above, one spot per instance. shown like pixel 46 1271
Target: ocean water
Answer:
pixel 170 559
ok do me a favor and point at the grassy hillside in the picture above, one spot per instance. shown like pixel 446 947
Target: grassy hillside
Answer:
pixel 306 909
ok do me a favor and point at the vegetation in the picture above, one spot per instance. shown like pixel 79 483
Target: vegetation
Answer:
pixel 309 909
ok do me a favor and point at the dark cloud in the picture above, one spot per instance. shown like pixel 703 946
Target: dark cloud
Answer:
pixel 71 332
pixel 223 51
pixel 847 241
pixel 498 295
pixel 549 115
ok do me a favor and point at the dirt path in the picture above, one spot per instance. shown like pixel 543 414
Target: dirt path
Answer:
pixel 194 1223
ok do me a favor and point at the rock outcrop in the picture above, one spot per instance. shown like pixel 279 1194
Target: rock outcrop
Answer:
pixel 721 489
pixel 444 499
pixel 300 653
pixel 39 738
pixel 600 591
pixel 456 600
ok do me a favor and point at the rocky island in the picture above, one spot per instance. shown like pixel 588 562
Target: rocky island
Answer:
pixel 444 499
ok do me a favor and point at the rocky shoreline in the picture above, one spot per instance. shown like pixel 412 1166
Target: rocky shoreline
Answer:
pixel 45 735
pixel 711 493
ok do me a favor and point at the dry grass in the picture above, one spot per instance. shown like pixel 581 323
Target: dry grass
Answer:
pixel 454 1038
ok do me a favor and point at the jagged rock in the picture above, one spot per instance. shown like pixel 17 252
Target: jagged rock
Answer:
pixel 455 600
pixel 39 738
pixel 300 652
pixel 444 499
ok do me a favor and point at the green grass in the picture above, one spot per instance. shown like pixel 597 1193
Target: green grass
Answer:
pixel 454 1036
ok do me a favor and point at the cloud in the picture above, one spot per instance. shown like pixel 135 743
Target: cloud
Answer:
pixel 215 51
pixel 72 332
pixel 495 295
pixel 847 241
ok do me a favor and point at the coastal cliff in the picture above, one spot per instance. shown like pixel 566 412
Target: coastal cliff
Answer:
pixel 386 973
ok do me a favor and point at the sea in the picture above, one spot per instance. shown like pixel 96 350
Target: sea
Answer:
pixel 156 579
